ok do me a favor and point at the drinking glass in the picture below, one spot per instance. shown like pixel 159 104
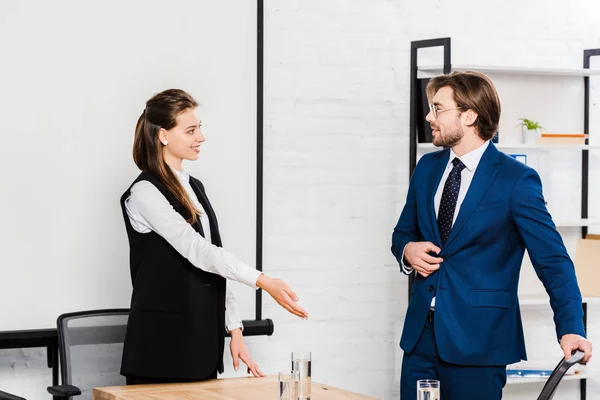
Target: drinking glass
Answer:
pixel 288 385
pixel 301 361
pixel 428 389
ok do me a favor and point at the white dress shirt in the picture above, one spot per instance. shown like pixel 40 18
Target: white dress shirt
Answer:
pixel 470 160
pixel 149 211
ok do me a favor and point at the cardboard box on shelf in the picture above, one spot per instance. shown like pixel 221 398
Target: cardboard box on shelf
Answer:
pixel 587 265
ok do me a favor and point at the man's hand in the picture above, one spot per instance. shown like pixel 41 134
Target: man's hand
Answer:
pixel 571 342
pixel 282 293
pixel 239 351
pixel 416 253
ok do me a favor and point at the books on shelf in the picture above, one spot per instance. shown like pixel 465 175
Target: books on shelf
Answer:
pixel 528 373
pixel 528 369
pixel 562 138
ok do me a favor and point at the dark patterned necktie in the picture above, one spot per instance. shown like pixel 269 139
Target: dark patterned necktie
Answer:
pixel 448 202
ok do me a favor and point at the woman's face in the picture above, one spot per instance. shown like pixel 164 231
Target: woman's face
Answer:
pixel 183 141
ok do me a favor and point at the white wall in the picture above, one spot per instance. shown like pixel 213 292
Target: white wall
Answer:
pixel 336 173
pixel 75 78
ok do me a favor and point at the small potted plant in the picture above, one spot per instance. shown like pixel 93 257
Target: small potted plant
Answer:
pixel 531 130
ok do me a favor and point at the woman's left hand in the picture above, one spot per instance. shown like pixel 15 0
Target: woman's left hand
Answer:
pixel 240 351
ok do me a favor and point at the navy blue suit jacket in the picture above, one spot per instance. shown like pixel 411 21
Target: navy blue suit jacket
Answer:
pixel 477 317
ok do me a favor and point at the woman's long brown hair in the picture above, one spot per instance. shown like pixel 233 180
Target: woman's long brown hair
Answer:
pixel 161 112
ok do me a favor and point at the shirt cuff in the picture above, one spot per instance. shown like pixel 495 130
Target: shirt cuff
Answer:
pixel 249 276
pixel 406 267
pixel 234 325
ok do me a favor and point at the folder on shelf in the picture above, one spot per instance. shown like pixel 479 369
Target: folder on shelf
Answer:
pixel 535 372
pixel 520 157
pixel 562 138
pixel 528 373
pixel 535 369
pixel 587 266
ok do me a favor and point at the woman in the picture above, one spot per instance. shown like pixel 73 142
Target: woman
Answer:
pixel 180 306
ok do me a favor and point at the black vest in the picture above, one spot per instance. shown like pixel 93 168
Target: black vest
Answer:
pixel 176 326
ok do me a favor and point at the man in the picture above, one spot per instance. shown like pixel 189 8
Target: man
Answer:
pixel 470 213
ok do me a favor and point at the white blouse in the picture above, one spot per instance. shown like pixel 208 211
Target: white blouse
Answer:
pixel 150 211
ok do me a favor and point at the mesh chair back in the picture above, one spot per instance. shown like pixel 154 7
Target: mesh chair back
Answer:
pixel 560 370
pixel 91 346
pixel 8 396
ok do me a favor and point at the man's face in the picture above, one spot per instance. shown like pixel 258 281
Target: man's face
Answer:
pixel 446 126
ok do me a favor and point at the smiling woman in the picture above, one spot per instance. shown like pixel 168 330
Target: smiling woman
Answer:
pixel 181 304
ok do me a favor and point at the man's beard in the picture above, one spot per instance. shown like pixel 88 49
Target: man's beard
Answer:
pixel 449 138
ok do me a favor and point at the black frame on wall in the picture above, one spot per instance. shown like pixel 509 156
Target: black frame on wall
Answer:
pixel 259 146
pixel 417 127
pixel 48 338
pixel 416 101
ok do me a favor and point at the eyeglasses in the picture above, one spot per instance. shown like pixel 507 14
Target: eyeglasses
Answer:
pixel 435 111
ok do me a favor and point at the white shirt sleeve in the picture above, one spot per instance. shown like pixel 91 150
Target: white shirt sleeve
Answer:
pixel 232 315
pixel 407 269
pixel 149 210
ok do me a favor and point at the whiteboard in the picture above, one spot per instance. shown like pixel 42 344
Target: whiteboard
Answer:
pixel 74 79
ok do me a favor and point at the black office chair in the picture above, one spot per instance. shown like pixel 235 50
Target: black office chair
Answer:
pixel 8 396
pixel 90 346
pixel 558 373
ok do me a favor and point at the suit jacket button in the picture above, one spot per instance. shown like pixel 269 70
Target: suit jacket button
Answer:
pixel 431 288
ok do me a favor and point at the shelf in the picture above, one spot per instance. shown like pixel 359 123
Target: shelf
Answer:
pixel 577 223
pixel 538 300
pixel 518 146
pixel 438 69
pixel 571 377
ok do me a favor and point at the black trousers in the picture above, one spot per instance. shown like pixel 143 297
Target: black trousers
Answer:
pixel 140 380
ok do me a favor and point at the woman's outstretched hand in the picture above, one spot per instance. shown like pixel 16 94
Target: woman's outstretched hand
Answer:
pixel 282 293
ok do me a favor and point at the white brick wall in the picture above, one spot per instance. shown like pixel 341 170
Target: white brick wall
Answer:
pixel 336 173
pixel 337 76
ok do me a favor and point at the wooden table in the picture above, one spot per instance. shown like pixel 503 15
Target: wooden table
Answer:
pixel 218 389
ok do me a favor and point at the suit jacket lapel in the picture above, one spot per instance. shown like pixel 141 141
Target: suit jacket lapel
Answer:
pixel 484 174
pixel 434 181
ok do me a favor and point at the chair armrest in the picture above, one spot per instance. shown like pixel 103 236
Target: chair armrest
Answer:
pixel 556 376
pixel 8 396
pixel 576 358
pixel 65 391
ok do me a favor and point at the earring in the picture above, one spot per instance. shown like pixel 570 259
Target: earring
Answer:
pixel 165 143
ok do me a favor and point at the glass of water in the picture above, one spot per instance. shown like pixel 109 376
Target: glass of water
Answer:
pixel 301 363
pixel 428 389
pixel 288 385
